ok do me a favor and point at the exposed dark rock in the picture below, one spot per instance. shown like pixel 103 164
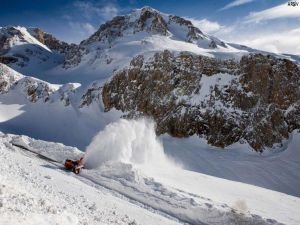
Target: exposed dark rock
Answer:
pixel 193 34
pixel 92 93
pixel 8 59
pixel 256 99
pixel 49 40
pixel 152 17
pixel 34 89
pixel 72 53
pixel 7 78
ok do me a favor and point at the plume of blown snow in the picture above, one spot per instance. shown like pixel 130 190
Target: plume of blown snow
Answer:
pixel 127 141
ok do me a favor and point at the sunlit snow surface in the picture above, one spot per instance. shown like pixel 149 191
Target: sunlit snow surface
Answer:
pixel 148 184
pixel 132 177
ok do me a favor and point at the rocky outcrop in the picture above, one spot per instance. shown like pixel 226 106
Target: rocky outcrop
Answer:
pixel 193 33
pixel 108 31
pixel 65 94
pixel 255 99
pixel 35 46
pixel 34 89
pixel 148 20
pixel 275 85
pixel 93 93
pixel 50 41
pixel 72 53
pixel 7 78
pixel 151 21
pixel 7 38
pixel 8 59
pixel 18 47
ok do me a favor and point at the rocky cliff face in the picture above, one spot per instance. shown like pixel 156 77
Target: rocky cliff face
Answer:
pixel 255 99
pixel 50 41
pixel 72 53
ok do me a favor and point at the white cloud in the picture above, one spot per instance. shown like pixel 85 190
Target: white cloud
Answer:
pixel 280 36
pixel 79 31
pixel 280 11
pixel 109 11
pixel 91 10
pixel 89 28
pixel 83 16
pixel 272 37
pixel 286 41
pixel 206 26
pixel 235 4
pixel 83 28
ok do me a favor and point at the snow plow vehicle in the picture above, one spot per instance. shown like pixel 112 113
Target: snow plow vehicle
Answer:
pixel 74 165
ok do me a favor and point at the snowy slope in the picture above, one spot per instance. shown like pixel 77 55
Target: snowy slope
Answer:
pixel 34 191
pixel 129 179
pixel 28 55
pixel 144 31
pixel 19 36
pixel 276 169
pixel 53 120
pixel 125 191
pixel 56 113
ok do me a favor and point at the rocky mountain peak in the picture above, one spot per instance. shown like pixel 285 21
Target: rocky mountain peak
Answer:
pixel 49 40
pixel 151 21
pixel 20 46
pixel 10 36
pixel 148 20
pixel 71 52
pixel 145 19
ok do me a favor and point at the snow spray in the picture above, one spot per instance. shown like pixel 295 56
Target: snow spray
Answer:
pixel 127 141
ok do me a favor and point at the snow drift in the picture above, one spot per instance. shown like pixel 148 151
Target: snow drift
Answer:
pixel 127 141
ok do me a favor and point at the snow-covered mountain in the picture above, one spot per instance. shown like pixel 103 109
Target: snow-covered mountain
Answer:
pixel 197 84
pixel 142 32
pixel 146 20
pixel 23 52
pixel 224 113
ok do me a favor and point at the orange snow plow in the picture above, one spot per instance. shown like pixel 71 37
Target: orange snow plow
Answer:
pixel 74 165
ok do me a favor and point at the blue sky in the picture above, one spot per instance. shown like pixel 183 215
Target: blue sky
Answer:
pixel 266 24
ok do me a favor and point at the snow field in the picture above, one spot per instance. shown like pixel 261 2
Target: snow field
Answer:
pixel 34 191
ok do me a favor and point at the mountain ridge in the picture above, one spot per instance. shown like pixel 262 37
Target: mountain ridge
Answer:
pixel 188 71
